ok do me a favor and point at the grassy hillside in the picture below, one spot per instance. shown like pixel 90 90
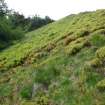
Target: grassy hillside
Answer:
pixel 62 63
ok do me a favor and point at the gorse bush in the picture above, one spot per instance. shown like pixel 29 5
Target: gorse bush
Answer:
pixel 101 85
pixel 40 100
pixel 43 100
pixel 97 64
pixel 76 46
pixel 69 39
pixel 101 53
pixel 82 32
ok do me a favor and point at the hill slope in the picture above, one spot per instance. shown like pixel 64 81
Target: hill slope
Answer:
pixel 59 64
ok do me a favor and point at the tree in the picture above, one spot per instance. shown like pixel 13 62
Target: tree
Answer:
pixel 7 33
pixel 48 19
pixel 19 20
pixel 3 8
pixel 37 22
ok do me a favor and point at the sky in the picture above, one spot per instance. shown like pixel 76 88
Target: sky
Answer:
pixel 56 9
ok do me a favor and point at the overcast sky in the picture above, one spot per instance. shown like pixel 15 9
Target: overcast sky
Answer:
pixel 56 9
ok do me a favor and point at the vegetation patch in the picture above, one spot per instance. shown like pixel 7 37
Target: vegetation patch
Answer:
pixel 76 46
pixel 66 59
pixel 26 92
pixel 97 63
pixel 101 85
pixel 70 39
pixel 82 32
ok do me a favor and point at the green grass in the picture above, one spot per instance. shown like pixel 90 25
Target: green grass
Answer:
pixel 66 57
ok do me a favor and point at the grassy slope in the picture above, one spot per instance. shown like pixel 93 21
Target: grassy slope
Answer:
pixel 64 56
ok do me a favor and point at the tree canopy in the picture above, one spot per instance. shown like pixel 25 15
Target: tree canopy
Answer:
pixel 14 25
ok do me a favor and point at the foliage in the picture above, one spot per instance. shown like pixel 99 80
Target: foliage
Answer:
pixel 101 53
pixel 7 34
pixel 29 23
pixel 67 58
pixel 37 22
pixel 101 85
pixel 13 25
pixel 98 40
pixel 3 8
pixel 46 74
pixel 26 92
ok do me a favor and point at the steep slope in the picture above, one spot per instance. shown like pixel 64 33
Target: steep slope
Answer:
pixel 59 64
